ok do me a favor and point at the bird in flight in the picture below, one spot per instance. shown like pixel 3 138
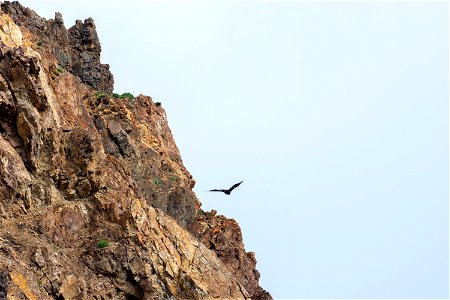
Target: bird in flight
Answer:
pixel 229 190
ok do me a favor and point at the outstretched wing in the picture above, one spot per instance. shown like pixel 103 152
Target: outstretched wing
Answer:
pixel 215 190
pixel 235 186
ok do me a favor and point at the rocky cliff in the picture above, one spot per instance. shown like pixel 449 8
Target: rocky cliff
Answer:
pixel 95 202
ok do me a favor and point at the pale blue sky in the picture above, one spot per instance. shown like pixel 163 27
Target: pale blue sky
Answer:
pixel 335 115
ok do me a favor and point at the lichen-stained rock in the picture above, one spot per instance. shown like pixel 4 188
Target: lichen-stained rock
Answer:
pixel 224 237
pixel 187 261
pixel 136 136
pixel 152 257
pixel 95 202
pixel 14 181
pixel 11 34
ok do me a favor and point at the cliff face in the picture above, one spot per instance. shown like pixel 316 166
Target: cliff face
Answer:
pixel 77 50
pixel 94 199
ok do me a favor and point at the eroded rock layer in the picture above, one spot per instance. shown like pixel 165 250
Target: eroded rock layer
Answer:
pixel 95 202
pixel 76 49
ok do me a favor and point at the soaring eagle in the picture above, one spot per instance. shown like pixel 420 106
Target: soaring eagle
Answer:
pixel 227 191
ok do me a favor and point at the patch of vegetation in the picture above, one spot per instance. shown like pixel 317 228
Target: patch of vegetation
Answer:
pixel 173 177
pixel 123 96
pixel 200 212
pixel 126 95
pixel 102 244
pixel 100 95
pixel 157 181
pixel 60 70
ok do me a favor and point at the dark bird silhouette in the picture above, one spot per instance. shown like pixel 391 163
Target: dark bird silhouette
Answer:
pixel 227 191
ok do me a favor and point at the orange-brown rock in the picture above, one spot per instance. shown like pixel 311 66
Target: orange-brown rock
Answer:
pixel 224 237
pixel 94 199
pixel 76 49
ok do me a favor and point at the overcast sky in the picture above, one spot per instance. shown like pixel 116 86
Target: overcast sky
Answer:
pixel 335 115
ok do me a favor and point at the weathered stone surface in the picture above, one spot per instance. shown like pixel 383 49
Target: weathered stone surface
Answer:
pixel 4 281
pixel 94 198
pixel 77 50
pixel 224 237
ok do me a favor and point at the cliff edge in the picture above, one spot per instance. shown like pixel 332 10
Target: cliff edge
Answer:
pixel 95 202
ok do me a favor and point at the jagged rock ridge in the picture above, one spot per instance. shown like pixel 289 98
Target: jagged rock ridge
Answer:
pixel 77 49
pixel 94 199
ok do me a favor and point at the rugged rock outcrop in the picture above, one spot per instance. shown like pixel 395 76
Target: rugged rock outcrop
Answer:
pixel 94 199
pixel 77 50
pixel 224 237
